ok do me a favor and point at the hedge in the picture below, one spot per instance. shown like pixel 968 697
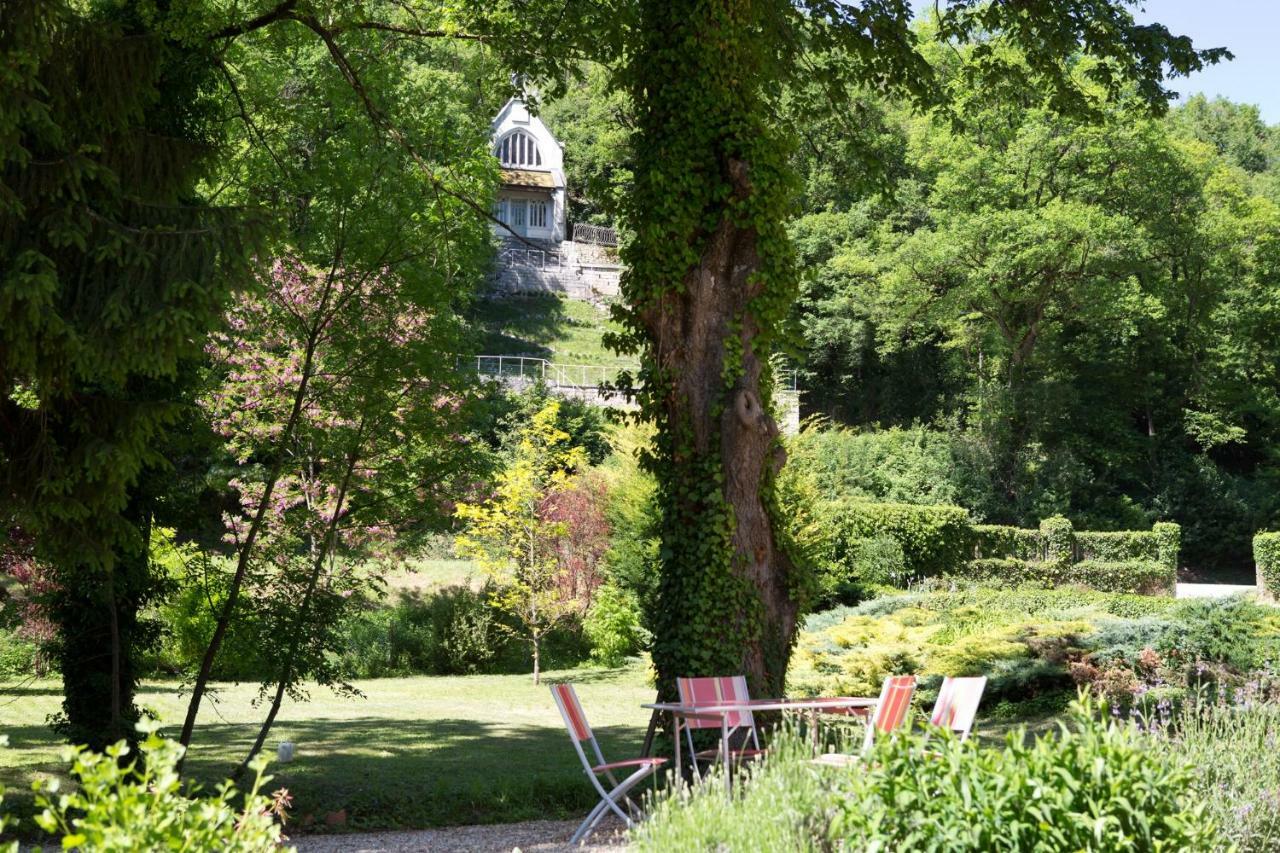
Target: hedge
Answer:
pixel 1266 554
pixel 934 539
pixel 1141 577
pixel 998 541
pixel 1144 577
pixel 941 541
pixel 1136 561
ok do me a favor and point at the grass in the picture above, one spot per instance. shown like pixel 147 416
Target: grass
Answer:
pixel 426 576
pixel 562 330
pixel 413 752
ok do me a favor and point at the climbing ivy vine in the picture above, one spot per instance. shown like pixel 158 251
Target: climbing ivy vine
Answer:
pixel 712 275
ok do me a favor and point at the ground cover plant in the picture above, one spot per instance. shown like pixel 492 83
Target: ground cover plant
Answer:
pixel 1036 646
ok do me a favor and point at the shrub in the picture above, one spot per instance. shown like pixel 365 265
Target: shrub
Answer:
pixel 1058 538
pixel 1145 577
pixel 1143 562
pixel 1139 577
pixel 18 656
pixel 1089 786
pixel 933 539
pixel 1266 555
pixel 1001 541
pixel 1238 767
pixel 612 626
pixel 632 558
pixel 139 805
pixel 1233 631
pixel 452 632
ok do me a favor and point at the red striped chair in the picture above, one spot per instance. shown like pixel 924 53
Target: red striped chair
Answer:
pixel 576 722
pixel 893 710
pixel 714 690
pixel 957 704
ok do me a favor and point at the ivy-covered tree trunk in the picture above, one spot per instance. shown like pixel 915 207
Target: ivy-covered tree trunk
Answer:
pixel 710 281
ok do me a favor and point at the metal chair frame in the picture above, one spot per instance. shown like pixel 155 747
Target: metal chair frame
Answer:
pixel 579 730
pixel 710 690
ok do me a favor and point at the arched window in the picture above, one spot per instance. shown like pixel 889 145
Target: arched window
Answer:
pixel 519 149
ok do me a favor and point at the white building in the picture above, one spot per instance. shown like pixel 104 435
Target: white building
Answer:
pixel 531 199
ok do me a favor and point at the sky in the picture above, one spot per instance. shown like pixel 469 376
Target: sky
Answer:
pixel 1248 28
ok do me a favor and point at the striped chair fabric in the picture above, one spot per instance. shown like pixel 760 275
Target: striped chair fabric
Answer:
pixel 712 690
pixel 614 797
pixel 957 704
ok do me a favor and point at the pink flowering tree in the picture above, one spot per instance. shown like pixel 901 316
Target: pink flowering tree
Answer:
pixel 330 393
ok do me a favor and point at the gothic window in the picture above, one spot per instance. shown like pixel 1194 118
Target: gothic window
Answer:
pixel 537 214
pixel 519 149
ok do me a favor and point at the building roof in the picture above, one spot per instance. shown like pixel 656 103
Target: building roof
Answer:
pixel 528 178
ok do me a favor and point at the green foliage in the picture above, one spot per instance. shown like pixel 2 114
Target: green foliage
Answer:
pixel 613 626
pixel 1034 643
pixel 1145 577
pixel 1120 561
pixel 1237 766
pixel 1266 556
pixel 913 466
pixel 122 804
pixel 997 541
pixel 1089 786
pixel 113 268
pixel 513 537
pixel 632 512
pixel 1021 299
pixel 933 540
pixel 1233 631
pixel 17 655
pixel 455 631
pixel 1058 538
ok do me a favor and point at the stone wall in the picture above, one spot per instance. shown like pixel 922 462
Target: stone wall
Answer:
pixel 577 270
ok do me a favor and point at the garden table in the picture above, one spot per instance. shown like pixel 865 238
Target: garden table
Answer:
pixel 825 704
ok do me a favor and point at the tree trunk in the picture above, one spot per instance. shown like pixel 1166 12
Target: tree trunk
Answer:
pixel 296 636
pixel 537 662
pixel 227 613
pixel 711 278
pixel 733 430
pixel 98 640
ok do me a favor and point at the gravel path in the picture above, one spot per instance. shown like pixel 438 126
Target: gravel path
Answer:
pixel 542 836
pixel 1211 590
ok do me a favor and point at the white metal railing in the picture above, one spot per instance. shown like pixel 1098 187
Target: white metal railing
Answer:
pixel 524 256
pixel 535 369
pixel 596 234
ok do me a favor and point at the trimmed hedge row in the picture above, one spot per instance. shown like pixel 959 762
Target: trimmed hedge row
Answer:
pixel 933 538
pixel 940 541
pixel 1141 577
pixel 998 541
pixel 1266 554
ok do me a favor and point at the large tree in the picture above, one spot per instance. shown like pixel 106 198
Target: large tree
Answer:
pixel 712 276
pixel 112 269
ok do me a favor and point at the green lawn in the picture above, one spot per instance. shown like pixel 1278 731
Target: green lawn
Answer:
pixel 413 752
pixel 566 331
pixel 426 576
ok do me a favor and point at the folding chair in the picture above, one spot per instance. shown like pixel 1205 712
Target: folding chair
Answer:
pixel 713 690
pixel 892 712
pixel 576 722
pixel 957 704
